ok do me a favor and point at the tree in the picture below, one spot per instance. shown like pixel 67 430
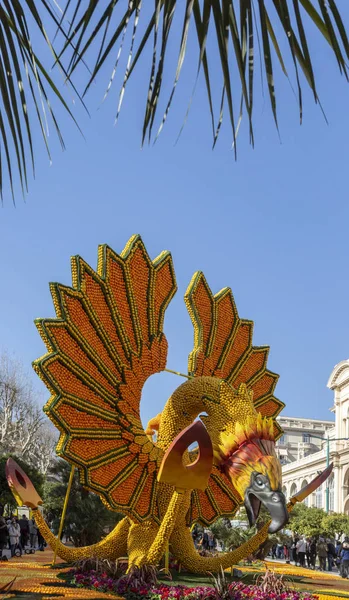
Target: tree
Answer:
pixel 230 537
pixel 233 537
pixel 311 521
pixel 335 524
pixel 24 431
pixel 6 496
pixel 262 519
pixel 306 521
pixel 87 519
pixel 228 36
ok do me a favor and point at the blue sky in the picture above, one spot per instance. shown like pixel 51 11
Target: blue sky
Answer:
pixel 273 225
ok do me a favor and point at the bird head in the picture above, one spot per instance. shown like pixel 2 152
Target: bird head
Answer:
pixel 243 441
pixel 244 448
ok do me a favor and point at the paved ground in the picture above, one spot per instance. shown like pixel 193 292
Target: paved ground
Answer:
pixel 282 561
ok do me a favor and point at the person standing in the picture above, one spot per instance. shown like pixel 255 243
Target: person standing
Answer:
pixel 33 529
pixel 41 541
pixel 205 540
pixel 301 550
pixel 195 535
pixel 331 554
pixel 294 551
pixel 14 531
pixel 24 527
pixel 307 553
pixel 8 523
pixel 321 549
pixel 338 553
pixel 312 551
pixel 3 533
pixel 285 552
pixel 211 542
pixel 344 568
pixel 287 548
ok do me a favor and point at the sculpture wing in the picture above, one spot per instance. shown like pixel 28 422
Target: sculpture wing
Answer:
pixel 106 341
pixel 223 348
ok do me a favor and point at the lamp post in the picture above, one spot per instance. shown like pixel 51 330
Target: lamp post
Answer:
pixel 328 440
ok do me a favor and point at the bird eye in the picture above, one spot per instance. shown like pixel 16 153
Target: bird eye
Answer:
pixel 259 482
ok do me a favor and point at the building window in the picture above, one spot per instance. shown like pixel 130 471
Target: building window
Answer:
pixel 318 497
pixel 331 494
pixel 283 439
pixel 293 490
pixel 306 438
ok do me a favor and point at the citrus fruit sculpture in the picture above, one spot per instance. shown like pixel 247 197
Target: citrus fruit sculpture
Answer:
pixel 106 341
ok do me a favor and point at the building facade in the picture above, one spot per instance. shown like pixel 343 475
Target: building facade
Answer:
pixel 301 438
pixel 307 446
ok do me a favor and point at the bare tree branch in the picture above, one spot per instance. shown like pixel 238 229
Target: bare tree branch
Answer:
pixel 24 431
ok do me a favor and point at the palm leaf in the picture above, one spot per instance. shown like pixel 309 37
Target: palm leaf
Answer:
pixel 25 90
pixel 227 27
pixel 224 31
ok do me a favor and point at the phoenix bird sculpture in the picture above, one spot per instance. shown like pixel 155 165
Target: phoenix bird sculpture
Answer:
pixel 105 342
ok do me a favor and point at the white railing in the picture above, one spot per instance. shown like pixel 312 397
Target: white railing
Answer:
pixel 316 456
pixel 335 446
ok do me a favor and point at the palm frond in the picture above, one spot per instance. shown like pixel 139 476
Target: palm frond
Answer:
pixel 233 26
pixel 236 30
pixel 25 90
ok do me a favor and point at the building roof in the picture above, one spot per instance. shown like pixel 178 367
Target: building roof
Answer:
pixel 339 375
pixel 304 419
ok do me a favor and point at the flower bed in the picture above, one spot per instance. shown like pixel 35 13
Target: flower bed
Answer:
pixel 235 591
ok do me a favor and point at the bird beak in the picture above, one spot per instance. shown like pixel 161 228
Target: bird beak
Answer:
pixel 273 501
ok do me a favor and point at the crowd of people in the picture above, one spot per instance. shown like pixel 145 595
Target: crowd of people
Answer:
pixel 316 552
pixel 307 552
pixel 204 540
pixel 19 534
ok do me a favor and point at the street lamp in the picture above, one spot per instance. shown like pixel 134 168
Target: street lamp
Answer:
pixel 328 440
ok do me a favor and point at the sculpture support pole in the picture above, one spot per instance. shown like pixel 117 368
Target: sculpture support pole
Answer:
pixel 65 505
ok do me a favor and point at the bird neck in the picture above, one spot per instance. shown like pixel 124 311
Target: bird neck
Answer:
pixel 185 405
